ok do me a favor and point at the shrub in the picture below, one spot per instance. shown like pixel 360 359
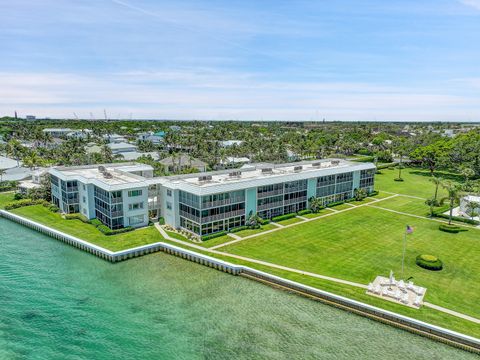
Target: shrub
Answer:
pixel 304 212
pixel 95 222
pixel 53 208
pixel 364 152
pixel 264 221
pixel 240 228
pixel 336 203
pixel 373 193
pixel 77 216
pixel 107 231
pixel 161 221
pixel 429 262
pixel 398 179
pixel 22 203
pixel 284 217
pixel 385 166
pixel 450 228
pixel 213 236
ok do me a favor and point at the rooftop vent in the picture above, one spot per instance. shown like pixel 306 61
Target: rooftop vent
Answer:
pixel 316 164
pixel 107 175
pixel 101 168
pixel 235 174
pixel 335 162
pixel 298 168
pixel 267 170
pixel 205 178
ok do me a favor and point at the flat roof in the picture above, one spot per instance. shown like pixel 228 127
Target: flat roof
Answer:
pixel 258 175
pixel 109 176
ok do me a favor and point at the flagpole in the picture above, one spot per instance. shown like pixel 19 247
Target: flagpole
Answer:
pixel 404 246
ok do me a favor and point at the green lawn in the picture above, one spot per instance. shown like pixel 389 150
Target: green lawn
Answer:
pixel 216 241
pixel 360 244
pixel 249 232
pixel 416 182
pixel 289 221
pixel 88 232
pixel 6 197
pixel 176 235
pixel 341 207
pixel 315 215
pixel 406 205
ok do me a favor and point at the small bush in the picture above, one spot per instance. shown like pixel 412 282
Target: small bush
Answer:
pixel 336 203
pixel 22 203
pixel 239 228
pixel 398 179
pixel 284 217
pixel 161 221
pixel 214 235
pixel 304 212
pixel 429 262
pixel 264 221
pixel 450 228
pixel 95 222
pixel 107 231
pixel 53 208
pixel 77 216
pixel 373 193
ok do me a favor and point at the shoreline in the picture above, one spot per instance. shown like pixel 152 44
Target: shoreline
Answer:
pixel 437 333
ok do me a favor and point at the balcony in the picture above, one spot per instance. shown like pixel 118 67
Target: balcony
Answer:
pixel 296 200
pixel 270 205
pixel 218 203
pixel 189 216
pixel 227 215
pixel 108 199
pixel 269 193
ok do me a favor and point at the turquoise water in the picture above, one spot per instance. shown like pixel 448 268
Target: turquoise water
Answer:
pixel 57 302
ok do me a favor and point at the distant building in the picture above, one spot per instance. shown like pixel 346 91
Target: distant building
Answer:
pixel 232 162
pixel 134 155
pixel 156 138
pixel 181 162
pixel 7 163
pixel 57 132
pixel 30 117
pixel 122 147
pixel 37 176
pixel 114 138
pixel 466 201
pixel 80 134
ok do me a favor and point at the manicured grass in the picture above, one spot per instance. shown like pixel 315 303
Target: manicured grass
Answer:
pixel 176 235
pixel 360 244
pixel 87 232
pixel 416 182
pixel 341 207
pixel 315 215
pixel 289 221
pixel 216 241
pixel 361 202
pixel 249 232
pixel 6 197
pixel 406 205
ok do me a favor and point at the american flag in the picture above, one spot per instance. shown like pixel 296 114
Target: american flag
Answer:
pixel 409 229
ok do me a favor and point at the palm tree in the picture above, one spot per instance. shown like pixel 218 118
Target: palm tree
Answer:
pixel 106 152
pixel 2 172
pixel 315 204
pixel 14 148
pixel 472 208
pixel 432 202
pixel 31 159
pixel 437 181
pixel 453 190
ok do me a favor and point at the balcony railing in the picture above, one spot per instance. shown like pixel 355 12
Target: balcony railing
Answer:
pixel 270 193
pixel 226 215
pixel 108 199
pixel 295 189
pixel 218 203
pixel 270 205
pixel 189 216
pixel 296 200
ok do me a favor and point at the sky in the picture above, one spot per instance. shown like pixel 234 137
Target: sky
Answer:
pixel 351 60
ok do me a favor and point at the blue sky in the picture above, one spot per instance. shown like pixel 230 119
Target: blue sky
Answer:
pixel 272 60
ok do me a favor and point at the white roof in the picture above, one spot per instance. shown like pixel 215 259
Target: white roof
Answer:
pixel 232 159
pixel 472 198
pixel 232 142
pixel 7 163
pixel 134 155
pixel 57 130
pixel 119 175
pixel 255 175
pixel 121 145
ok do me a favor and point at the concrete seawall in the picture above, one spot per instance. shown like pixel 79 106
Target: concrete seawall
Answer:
pixel 434 332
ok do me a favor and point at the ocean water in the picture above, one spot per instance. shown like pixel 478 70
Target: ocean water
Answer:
pixel 57 302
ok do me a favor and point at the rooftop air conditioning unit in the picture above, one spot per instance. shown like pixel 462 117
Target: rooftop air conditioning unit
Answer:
pixel 335 162
pixel 107 175
pixel 298 168
pixel 101 168
pixel 235 174
pixel 316 164
pixel 267 170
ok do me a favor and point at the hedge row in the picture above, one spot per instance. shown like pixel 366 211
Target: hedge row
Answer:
pixel 336 203
pixel 284 217
pixel 25 202
pixel 429 262
pixel 264 221
pixel 77 216
pixel 107 231
pixel 456 218
pixel 304 212
pixel 214 235
pixel 373 193
pixel 238 228
pixel 450 228
pixel 385 166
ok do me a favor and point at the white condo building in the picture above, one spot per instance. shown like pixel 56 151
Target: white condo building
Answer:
pixel 123 195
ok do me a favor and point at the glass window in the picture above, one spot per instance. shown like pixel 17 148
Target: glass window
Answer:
pixel 133 193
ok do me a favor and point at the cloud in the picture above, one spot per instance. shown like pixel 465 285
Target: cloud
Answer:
pixel 472 3
pixel 210 94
